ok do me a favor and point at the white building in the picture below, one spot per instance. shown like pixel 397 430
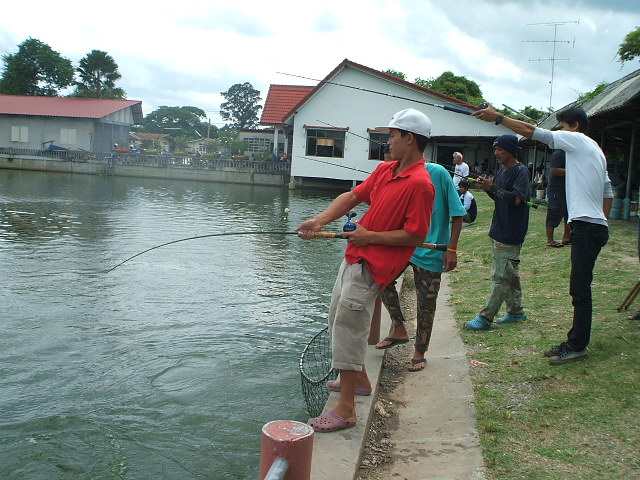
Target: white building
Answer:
pixel 333 129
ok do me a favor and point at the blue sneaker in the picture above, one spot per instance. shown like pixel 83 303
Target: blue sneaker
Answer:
pixel 508 318
pixel 478 323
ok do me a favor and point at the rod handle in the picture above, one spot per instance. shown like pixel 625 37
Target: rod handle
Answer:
pixel 457 110
pixel 327 235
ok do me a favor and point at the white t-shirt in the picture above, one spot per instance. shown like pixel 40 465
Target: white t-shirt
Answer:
pixel 587 180
pixel 461 171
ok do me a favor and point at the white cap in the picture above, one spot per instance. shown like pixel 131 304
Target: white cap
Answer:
pixel 412 121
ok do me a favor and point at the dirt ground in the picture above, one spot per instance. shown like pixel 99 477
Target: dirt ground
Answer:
pixel 378 456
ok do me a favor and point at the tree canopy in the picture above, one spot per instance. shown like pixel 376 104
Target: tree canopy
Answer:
pixel 35 69
pixel 396 73
pixel 630 47
pixel 241 106
pixel 177 121
pixel 98 74
pixel 455 86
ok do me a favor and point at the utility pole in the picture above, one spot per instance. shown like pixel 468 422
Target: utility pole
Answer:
pixel 553 58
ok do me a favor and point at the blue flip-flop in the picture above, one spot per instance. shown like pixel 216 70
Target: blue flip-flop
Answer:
pixel 393 342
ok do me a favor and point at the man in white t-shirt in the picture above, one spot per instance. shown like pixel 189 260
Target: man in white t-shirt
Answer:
pixel 461 169
pixel 589 199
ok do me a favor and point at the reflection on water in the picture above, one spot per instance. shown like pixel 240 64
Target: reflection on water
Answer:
pixel 169 366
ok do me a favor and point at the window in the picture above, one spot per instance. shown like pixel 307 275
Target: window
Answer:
pixel 68 136
pixel 325 143
pixel 258 144
pixel 19 134
pixel 377 141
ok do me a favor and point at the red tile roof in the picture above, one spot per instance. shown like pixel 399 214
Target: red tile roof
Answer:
pixel 73 107
pixel 280 100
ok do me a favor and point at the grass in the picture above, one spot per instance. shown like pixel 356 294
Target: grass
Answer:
pixel 538 421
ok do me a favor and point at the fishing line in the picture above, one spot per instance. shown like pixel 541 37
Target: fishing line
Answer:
pixel 444 107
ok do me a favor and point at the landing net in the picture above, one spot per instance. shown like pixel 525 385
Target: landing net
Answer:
pixel 315 371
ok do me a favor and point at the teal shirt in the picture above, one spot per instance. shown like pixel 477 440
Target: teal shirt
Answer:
pixel 447 204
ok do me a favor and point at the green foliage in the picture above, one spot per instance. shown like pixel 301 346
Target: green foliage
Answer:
pixel 396 73
pixel 630 47
pixel 241 106
pixel 585 97
pixel 455 86
pixel 176 121
pixel 98 73
pixel 229 142
pixel 35 69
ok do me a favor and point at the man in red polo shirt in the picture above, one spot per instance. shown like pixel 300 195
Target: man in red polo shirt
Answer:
pixel 400 197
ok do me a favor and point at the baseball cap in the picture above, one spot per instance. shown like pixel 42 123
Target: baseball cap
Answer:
pixel 412 121
pixel 508 142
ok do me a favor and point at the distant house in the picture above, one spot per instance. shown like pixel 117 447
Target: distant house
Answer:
pixel 91 124
pixel 333 129
pixel 200 145
pixel 151 141
pixel 259 142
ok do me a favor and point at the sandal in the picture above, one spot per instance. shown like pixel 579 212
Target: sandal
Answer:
pixel 635 316
pixel 555 244
pixel 330 422
pixel 415 362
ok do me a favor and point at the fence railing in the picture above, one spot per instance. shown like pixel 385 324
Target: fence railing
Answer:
pixel 168 161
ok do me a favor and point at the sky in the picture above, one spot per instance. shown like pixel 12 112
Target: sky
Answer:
pixel 186 53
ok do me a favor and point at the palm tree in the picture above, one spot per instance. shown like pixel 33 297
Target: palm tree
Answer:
pixel 98 75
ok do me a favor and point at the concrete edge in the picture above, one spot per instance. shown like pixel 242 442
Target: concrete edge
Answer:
pixel 337 455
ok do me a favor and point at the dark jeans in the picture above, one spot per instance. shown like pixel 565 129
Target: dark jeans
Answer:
pixel 586 241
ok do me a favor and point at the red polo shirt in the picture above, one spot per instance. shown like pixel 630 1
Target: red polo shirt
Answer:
pixel 396 202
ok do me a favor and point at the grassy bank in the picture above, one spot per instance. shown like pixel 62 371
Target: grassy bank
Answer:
pixel 537 421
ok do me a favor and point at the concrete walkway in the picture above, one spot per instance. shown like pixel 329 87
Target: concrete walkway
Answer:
pixel 436 438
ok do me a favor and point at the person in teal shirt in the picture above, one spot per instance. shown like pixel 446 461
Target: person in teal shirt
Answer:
pixel 428 265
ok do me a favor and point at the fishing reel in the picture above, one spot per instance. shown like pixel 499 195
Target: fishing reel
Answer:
pixel 349 226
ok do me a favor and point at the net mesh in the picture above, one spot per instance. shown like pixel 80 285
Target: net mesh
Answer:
pixel 315 371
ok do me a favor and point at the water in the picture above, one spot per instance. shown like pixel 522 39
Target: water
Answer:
pixel 168 366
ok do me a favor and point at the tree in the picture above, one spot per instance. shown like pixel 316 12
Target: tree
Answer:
pixel 35 69
pixel 630 47
pixel 241 106
pixel 396 73
pixel 98 73
pixel 229 141
pixel 176 121
pixel 455 86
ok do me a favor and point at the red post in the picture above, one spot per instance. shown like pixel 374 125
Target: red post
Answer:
pixel 290 440
pixel 374 333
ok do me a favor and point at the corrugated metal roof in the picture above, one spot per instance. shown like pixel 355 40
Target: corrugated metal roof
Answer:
pixel 147 136
pixel 614 96
pixel 280 100
pixel 70 107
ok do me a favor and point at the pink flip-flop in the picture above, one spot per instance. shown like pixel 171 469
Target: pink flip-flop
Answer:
pixel 330 422
pixel 334 386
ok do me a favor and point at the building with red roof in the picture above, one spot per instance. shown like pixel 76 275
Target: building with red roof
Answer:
pixel 91 124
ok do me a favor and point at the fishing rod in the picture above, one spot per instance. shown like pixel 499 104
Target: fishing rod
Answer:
pixel 444 107
pixel 431 246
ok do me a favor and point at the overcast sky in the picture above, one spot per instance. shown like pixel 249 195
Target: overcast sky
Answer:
pixel 185 53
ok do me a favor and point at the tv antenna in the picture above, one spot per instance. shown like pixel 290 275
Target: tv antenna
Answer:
pixel 555 41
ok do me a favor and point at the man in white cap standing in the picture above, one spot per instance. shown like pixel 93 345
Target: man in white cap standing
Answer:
pixel 400 196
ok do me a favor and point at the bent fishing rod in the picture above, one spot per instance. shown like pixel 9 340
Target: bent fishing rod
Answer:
pixel 430 246
pixel 444 107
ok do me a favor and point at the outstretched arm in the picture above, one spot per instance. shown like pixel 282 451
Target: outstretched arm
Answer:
pixel 490 114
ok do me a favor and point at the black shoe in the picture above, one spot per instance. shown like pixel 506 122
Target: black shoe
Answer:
pixel 568 354
pixel 555 351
